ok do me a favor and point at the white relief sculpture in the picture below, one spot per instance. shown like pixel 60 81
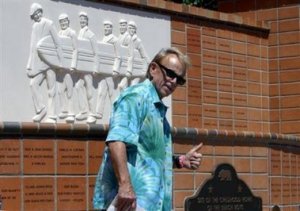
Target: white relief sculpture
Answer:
pixel 65 81
pixel 93 63
pixel 38 70
pixel 135 50
pixel 105 85
pixel 84 85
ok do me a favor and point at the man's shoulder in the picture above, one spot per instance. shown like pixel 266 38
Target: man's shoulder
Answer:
pixel 142 90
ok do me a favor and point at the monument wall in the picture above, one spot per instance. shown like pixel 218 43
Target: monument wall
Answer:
pixel 230 102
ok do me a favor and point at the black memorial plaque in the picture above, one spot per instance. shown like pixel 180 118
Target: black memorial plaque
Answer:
pixel 223 192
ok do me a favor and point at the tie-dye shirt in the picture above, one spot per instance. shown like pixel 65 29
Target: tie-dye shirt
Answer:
pixel 138 119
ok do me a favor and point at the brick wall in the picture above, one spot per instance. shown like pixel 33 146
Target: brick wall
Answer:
pixel 227 85
pixel 242 91
pixel 284 57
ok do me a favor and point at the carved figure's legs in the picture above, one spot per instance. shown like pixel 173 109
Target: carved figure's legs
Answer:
pixel 65 93
pixel 88 82
pixel 62 97
pixel 51 85
pixel 88 79
pixel 69 86
pixel 81 100
pixel 123 84
pixel 102 93
pixel 35 86
pixel 110 85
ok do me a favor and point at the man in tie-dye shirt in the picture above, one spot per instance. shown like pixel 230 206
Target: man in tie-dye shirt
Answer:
pixel 137 163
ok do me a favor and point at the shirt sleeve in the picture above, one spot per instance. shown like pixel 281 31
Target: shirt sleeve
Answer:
pixel 126 119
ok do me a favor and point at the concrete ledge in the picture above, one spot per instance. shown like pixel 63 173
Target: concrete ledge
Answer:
pixel 100 131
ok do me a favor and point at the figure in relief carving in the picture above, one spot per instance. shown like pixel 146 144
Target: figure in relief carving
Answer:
pixel 105 85
pixel 122 41
pixel 135 44
pixel 124 37
pixel 65 81
pixel 37 70
pixel 84 85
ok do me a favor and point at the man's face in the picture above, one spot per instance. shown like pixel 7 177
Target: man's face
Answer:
pixel 37 16
pixel 64 23
pixel 123 27
pixel 131 30
pixel 83 21
pixel 164 84
pixel 107 29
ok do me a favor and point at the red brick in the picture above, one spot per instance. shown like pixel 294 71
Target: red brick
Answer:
pixel 225 85
pixel 254 114
pixel 290 127
pixel 224 45
pixel 209 70
pixel 288 12
pixel 253 50
pixel 38 156
pixel 194 92
pixel 289 50
pixel 195 116
pixel 239 48
pixel 10 159
pixel 253 63
pixel 10 190
pixel 267 15
pixel 71 193
pixel 179 108
pixel 289 38
pixel 290 89
pixel 179 94
pixel 225 71
pixel 254 76
pixel 178 38
pixel 225 58
pixel 193 40
pixel 210 111
pixel 179 121
pixel 177 24
pixel 289 25
pixel 71 157
pixel 209 43
pixel 226 112
pixel 183 181
pixel 240 113
pixel 39 193
pixel 254 88
pixel 209 56
pixel 290 101
pixel 225 98
pixel 260 182
pixel 210 123
pixel 210 97
pixel 96 149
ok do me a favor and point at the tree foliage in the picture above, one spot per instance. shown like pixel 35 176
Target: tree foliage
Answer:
pixel 208 4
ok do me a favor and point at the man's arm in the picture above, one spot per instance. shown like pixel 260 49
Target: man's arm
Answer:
pixel 126 197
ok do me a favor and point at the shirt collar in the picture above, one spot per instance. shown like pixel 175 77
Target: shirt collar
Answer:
pixel 156 100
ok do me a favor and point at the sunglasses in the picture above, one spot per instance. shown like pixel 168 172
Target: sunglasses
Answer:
pixel 171 74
